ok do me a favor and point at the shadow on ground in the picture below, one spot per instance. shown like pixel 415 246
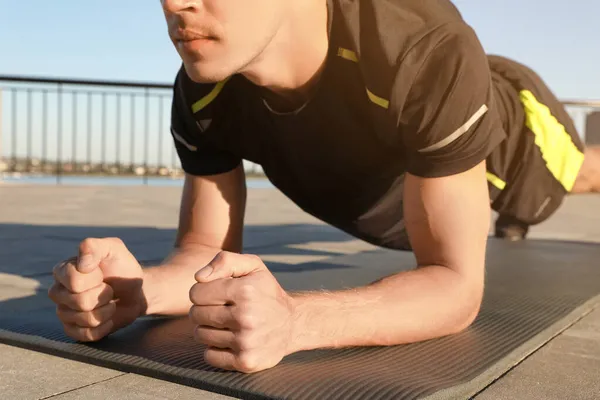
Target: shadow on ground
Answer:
pixel 29 252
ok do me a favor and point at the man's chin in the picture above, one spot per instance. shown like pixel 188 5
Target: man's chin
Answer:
pixel 202 73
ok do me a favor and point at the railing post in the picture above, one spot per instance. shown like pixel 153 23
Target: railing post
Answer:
pixel 2 163
pixel 132 145
pixel 160 134
pixel 74 133
pixel 59 134
pixel 146 133
pixel 44 131
pixel 103 167
pixel 118 134
pixel 29 132
pixel 14 129
pixel 89 132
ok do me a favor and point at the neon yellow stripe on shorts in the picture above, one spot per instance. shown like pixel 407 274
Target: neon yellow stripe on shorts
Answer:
pixel 494 180
pixel 206 100
pixel 562 157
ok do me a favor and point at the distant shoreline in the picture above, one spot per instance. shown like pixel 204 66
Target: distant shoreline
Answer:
pixel 253 181
pixel 19 175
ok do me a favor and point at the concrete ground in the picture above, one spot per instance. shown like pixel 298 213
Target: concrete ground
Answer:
pixel 40 225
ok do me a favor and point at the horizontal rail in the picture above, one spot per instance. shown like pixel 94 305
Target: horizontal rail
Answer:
pixel 84 82
pixel 582 103
pixel 154 85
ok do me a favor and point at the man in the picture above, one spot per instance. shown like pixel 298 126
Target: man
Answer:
pixel 543 158
pixel 376 117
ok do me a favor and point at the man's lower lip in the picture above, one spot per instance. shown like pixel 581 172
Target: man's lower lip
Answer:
pixel 195 44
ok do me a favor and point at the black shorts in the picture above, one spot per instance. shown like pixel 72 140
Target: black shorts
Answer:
pixel 551 155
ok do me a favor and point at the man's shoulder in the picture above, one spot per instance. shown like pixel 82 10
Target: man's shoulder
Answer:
pixel 394 39
pixel 387 30
pixel 509 68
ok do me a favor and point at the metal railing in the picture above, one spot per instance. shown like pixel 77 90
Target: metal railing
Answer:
pixel 71 127
pixel 59 127
pixel 580 111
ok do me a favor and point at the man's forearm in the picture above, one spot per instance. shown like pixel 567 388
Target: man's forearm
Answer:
pixel 166 287
pixel 407 307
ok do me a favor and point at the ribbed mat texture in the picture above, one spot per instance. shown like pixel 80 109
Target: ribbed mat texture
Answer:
pixel 534 291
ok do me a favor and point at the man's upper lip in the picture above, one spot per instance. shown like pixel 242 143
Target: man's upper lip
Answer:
pixel 186 35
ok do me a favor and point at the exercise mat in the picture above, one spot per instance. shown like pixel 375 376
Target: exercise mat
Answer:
pixel 534 290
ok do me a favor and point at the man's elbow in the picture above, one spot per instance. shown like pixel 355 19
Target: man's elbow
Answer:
pixel 469 305
pixel 475 307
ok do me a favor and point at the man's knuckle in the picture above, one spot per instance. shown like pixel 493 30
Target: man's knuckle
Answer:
pixel 244 342
pixel 196 315
pixel 194 293
pixel 87 334
pixel 246 362
pixel 94 334
pixel 58 294
pixel 75 332
pixel 87 245
pixel 246 321
pixel 200 334
pixel 57 269
pixel 52 291
pixel 246 292
pixel 69 331
pixel 115 241
pixel 223 257
pixel 91 320
pixel 76 285
pixel 85 303
pixel 255 258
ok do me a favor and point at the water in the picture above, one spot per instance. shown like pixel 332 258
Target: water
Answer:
pixel 252 183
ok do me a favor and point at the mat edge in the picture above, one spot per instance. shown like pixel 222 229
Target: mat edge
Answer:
pixel 55 349
pixel 515 357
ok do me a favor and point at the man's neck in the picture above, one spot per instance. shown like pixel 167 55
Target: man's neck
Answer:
pixel 291 64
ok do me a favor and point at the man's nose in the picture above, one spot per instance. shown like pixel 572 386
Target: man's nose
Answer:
pixel 175 6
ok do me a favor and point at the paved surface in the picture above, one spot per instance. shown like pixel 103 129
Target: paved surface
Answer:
pixel 40 225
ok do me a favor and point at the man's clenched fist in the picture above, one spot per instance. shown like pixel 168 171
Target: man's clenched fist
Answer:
pixel 241 313
pixel 99 291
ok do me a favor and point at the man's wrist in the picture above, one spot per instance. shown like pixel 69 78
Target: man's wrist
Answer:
pixel 304 334
pixel 150 292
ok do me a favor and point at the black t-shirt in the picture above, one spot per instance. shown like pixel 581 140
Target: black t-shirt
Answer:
pixel 406 88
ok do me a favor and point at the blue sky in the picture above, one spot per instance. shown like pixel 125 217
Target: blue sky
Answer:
pixel 127 40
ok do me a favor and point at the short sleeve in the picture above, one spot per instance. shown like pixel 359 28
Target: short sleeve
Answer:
pixel 197 154
pixel 449 122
